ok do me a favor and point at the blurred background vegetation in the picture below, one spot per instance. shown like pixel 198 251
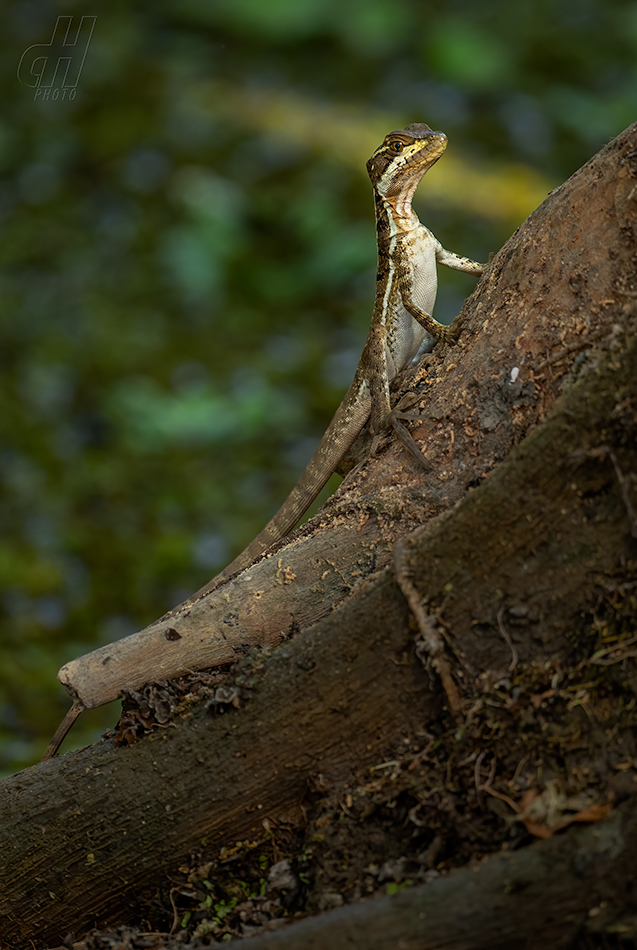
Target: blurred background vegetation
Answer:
pixel 188 261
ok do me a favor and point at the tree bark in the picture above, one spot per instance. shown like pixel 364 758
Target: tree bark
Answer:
pixel 522 586
pixel 528 900
pixel 550 297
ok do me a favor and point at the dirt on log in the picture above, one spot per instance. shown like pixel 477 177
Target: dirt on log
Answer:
pixel 501 904
pixel 476 691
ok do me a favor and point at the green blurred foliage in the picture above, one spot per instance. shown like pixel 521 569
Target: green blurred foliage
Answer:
pixel 187 269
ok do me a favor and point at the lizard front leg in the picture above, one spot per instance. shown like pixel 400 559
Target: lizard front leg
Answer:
pixel 466 266
pixel 429 323
pixel 447 334
pixel 456 262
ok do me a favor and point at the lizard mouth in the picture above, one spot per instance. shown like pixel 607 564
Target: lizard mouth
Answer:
pixel 430 150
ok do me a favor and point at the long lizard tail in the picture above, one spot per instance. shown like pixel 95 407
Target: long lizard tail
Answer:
pixel 348 420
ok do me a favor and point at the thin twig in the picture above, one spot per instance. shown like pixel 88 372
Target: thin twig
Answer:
pixel 62 730
pixel 623 487
pixel 618 643
pixel 476 778
pixel 432 641
pixel 176 913
pixel 507 639
pixel 571 348
pixel 503 798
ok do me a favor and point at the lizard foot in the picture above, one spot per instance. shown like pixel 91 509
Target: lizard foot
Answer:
pixel 451 333
pixel 397 419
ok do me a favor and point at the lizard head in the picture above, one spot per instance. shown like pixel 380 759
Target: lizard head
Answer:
pixel 398 165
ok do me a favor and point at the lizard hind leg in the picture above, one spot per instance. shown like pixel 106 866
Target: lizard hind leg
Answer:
pixel 397 418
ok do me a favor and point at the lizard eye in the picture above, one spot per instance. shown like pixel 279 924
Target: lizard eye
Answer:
pixel 396 146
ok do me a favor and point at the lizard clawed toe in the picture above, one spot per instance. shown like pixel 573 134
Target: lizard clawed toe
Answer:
pixel 450 333
pixel 397 418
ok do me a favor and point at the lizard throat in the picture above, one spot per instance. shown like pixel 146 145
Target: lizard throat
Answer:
pixel 402 217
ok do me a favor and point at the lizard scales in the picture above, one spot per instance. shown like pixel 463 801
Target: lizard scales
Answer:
pixel 406 287
pixel 405 295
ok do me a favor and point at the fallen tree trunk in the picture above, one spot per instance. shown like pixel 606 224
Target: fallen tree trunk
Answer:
pixel 528 899
pixel 522 590
pixel 548 297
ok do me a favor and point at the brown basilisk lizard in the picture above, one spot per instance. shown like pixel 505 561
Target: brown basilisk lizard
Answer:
pixel 406 286
pixel 401 321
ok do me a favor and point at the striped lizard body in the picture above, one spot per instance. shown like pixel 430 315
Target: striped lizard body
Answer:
pixel 406 287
